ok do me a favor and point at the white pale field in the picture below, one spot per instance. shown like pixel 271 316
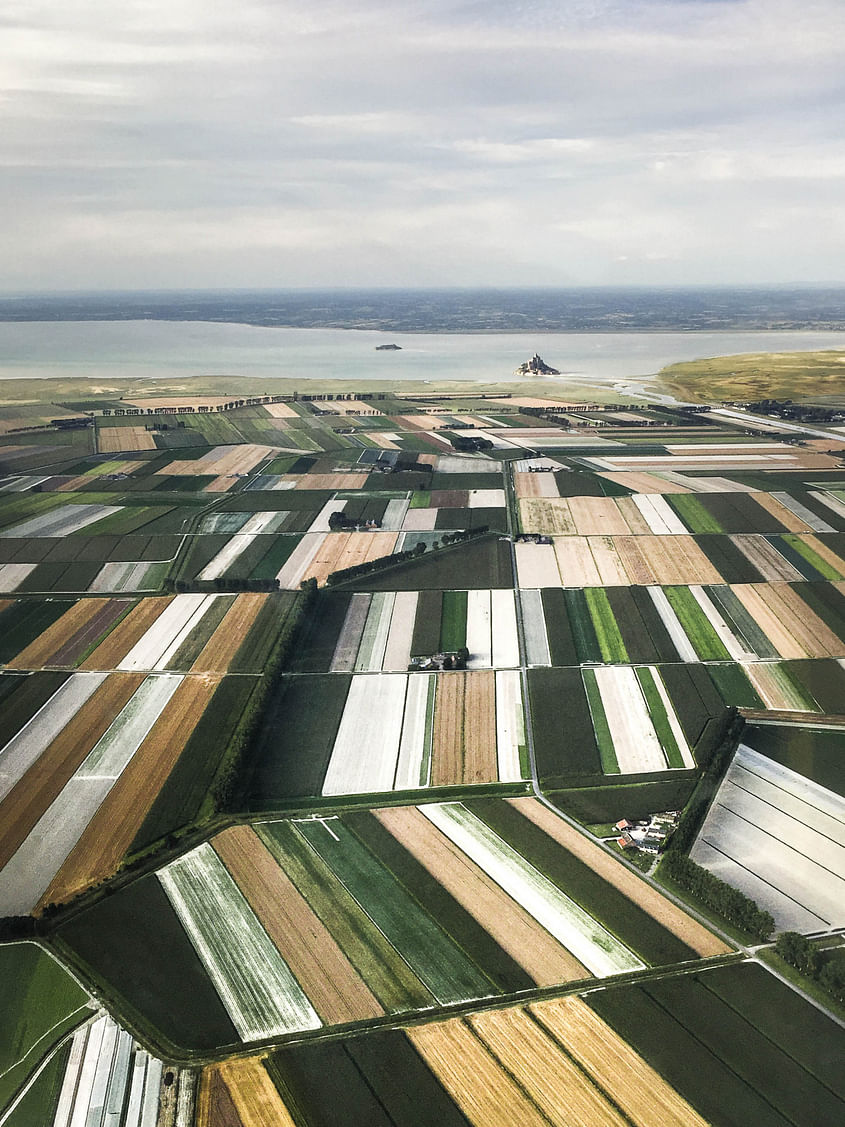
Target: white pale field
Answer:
pixel 397 652
pixel 634 738
pixel 254 982
pixel 320 523
pixel 726 636
pixel 13 574
pixel 366 747
pixel 156 645
pixel 25 748
pixel 510 724
pixel 28 874
pixel 61 521
pixel 374 637
pixel 803 513
pixel 505 639
pixel 779 837
pixel 415 743
pixel 599 951
pixel 300 559
pixel 534 627
pixel 536 565
pixel 478 641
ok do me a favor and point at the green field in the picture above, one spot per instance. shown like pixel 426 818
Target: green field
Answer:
pixel 39 1004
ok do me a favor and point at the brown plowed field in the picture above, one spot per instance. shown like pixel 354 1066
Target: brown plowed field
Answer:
pixel 227 639
pixel 535 485
pixel 124 636
pixel 479 753
pixel 779 511
pixel 766 558
pixel 633 560
pixel 805 626
pixel 109 612
pixel 697 566
pixel 221 484
pixel 530 945
pixel 33 794
pixel 73 484
pixel 56 636
pixel 215 1107
pixel 447 753
pixel 565 1094
pixel 635 520
pixel 254 1094
pixel 674 919
pixel 332 984
pixel 111 440
pixel 331 481
pixel 633 1085
pixel 113 828
pixel 768 620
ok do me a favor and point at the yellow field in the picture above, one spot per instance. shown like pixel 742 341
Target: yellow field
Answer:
pixel 111 440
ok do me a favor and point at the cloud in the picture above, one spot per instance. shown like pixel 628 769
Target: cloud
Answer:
pixel 279 142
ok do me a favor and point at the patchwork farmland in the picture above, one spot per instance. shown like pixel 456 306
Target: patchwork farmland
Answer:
pixel 344 744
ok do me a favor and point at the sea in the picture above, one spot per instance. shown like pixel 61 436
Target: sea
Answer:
pixel 111 350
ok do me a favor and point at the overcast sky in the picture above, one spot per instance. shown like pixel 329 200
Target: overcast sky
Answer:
pixel 187 143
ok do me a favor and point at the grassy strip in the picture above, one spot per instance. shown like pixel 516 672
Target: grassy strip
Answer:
pixel 659 717
pixel 820 682
pixel 637 640
pixel 627 800
pixel 696 625
pixel 453 625
pixel 693 513
pixel 420 499
pixel 257 648
pixel 581 624
pixel 734 686
pixel 427 624
pixel 274 558
pixel 194 644
pixel 741 620
pixel 601 728
pixel 825 569
pixel 40 1103
pixel 604 622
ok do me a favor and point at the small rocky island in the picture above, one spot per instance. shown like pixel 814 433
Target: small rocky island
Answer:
pixel 388 348
pixel 536 366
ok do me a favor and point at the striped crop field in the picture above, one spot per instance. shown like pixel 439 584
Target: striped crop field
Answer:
pixel 260 993
pixel 615 560
pixel 641 721
pixel 777 836
pixel 432 730
pixel 40 847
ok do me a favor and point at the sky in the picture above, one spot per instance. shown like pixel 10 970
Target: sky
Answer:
pixel 197 143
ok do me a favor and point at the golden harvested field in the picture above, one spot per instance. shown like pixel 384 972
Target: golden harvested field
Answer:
pixel 447 750
pixel 546 515
pixel 72 485
pixel 111 440
pixel 635 564
pixel 221 461
pixel 674 919
pixel 220 484
pixel 333 986
pixel 645 482
pixel 676 560
pixel 637 523
pixel 780 512
pixel 113 828
pixel 38 653
pixel 227 639
pixel 768 620
pixel 473 1077
pixel 633 1085
pixel 479 751
pixel 530 945
pixel 610 567
pixel 130 630
pixel 535 485
pixel 330 481
pixel 381 440
pixel 347 549
pixel 348 407
pixel 575 562
pixel 464 736
pixel 280 411
pixel 805 626
pixel 42 783
pixel 529 401
pixel 254 1094
pixel 597 516
pixel 215 1107
pixel 554 1082
pixel 766 558
pixel 187 400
